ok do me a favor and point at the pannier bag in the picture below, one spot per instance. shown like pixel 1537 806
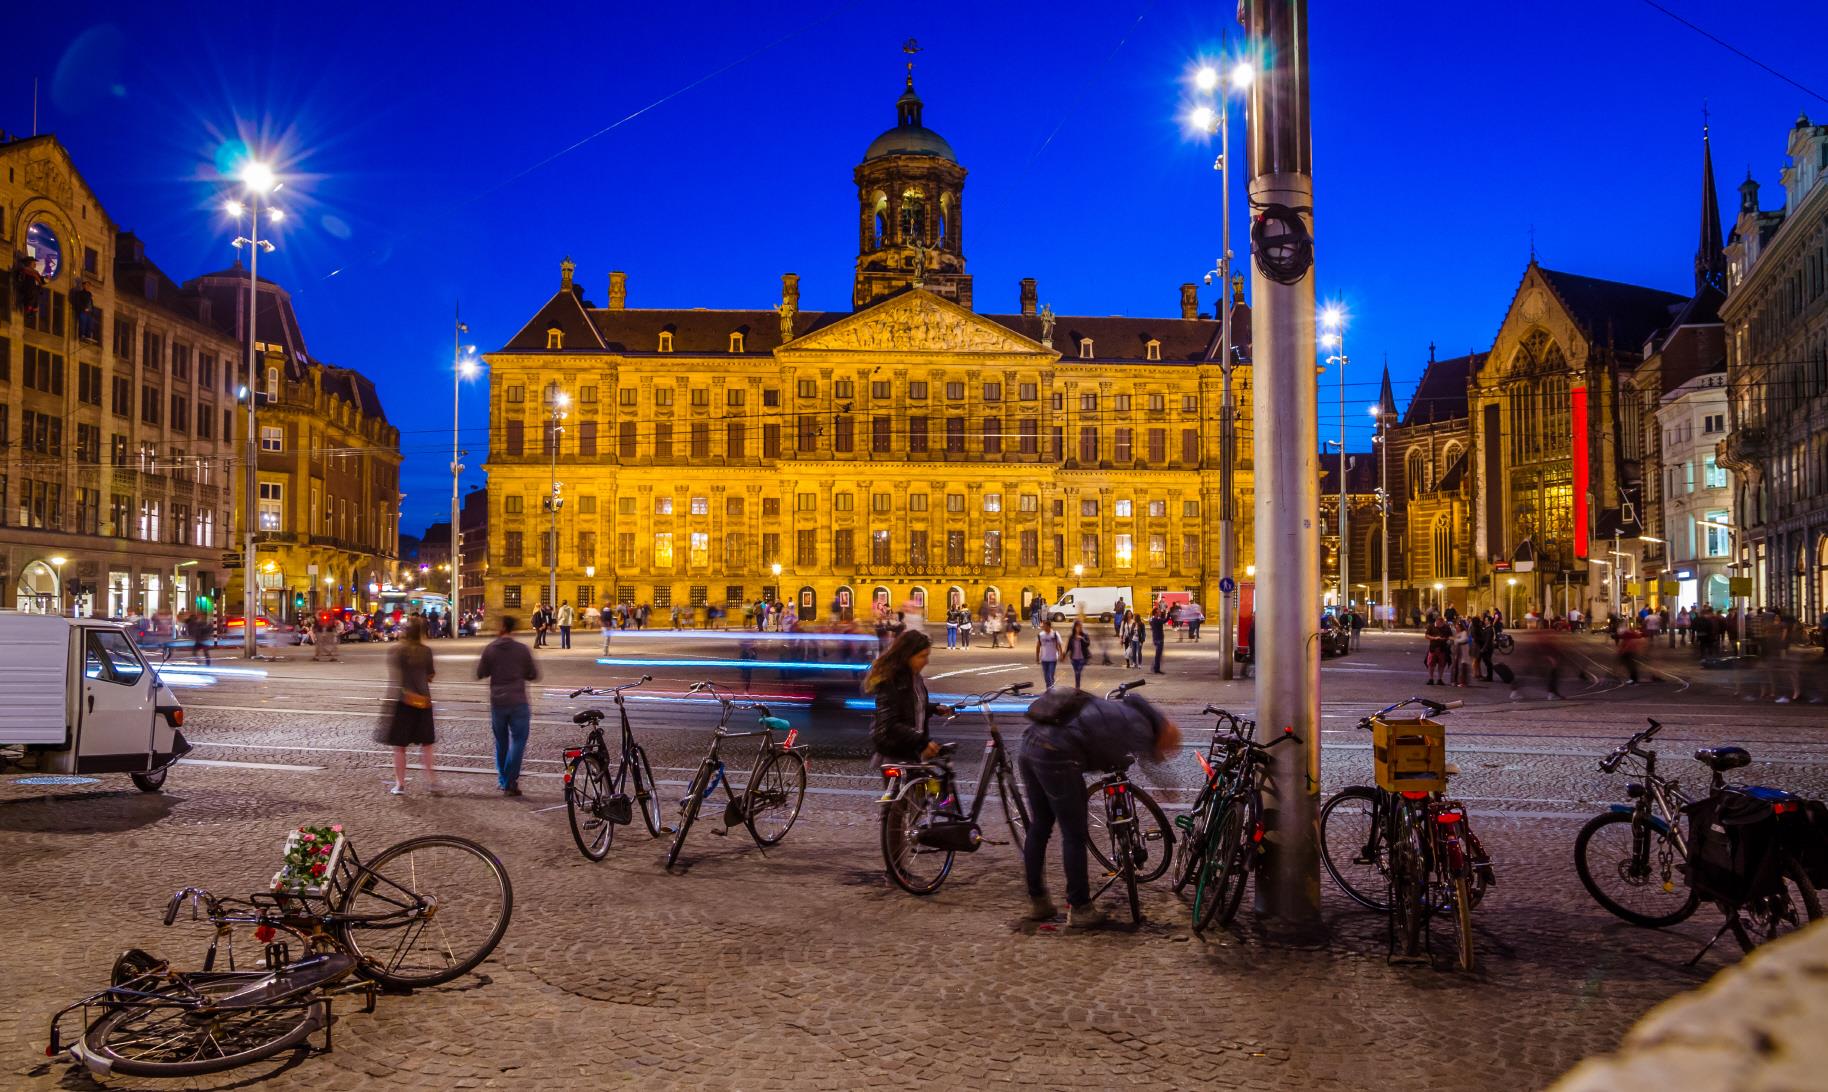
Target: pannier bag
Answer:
pixel 1734 843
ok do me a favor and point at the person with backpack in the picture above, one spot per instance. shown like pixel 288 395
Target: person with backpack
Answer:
pixel 1071 734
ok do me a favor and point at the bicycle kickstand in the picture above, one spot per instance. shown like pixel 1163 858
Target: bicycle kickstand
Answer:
pixel 1718 933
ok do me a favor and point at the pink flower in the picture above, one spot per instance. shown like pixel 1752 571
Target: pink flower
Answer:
pixel 336 828
pixel 310 837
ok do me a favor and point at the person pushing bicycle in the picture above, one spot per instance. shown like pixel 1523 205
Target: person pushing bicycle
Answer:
pixel 898 730
pixel 1070 734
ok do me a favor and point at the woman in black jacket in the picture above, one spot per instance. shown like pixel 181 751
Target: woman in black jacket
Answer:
pixel 899 729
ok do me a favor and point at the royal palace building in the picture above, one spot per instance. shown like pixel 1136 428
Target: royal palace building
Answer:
pixel 910 449
pixel 117 399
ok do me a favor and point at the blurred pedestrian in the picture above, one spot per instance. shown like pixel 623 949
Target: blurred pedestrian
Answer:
pixel 410 672
pixel 539 626
pixel 609 625
pixel 1631 651
pixel 1193 614
pixel 564 619
pixel 1079 650
pixel 1158 627
pixel 1462 652
pixel 509 667
pixel 1440 648
pixel 1047 653
pixel 202 632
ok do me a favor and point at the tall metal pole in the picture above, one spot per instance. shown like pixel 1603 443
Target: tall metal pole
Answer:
pixel 552 556
pixel 456 469
pixel 1228 446
pixel 1383 488
pixel 250 497
pixel 1285 442
pixel 1345 541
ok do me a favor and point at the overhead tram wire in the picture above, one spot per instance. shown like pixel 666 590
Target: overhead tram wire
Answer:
pixel 1736 51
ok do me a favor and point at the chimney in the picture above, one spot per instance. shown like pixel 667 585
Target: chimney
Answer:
pixel 790 290
pixel 1028 296
pixel 1190 302
pixel 618 290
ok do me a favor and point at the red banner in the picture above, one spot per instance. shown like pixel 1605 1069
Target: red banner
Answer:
pixel 1577 419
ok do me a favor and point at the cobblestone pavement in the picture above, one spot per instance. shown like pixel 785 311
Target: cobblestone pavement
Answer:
pixel 804 967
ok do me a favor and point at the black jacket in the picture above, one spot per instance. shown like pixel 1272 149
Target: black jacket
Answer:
pixel 1098 734
pixel 898 730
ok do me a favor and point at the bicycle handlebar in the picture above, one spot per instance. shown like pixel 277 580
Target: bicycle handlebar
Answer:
pixel 595 690
pixel 1631 746
pixel 1124 688
pixel 989 696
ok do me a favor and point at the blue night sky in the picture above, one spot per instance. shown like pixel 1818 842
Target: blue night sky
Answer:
pixel 437 153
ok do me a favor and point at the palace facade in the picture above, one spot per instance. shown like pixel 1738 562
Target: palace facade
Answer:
pixel 911 449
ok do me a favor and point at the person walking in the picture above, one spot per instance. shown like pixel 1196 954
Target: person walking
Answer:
pixel 1440 649
pixel 201 631
pixel 1174 622
pixel 1158 623
pixel 1071 734
pixel 509 667
pixel 564 619
pixel 1012 625
pixel 1462 652
pixel 1137 628
pixel 1630 642
pixel 1357 621
pixel 410 671
pixel 1047 653
pixel 1079 650
pixel 1193 614
pixel 609 627
pixel 539 626
pixel 324 637
pixel 898 728
pixel 952 629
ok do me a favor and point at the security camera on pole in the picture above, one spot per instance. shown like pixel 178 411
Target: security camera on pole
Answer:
pixel 1286 445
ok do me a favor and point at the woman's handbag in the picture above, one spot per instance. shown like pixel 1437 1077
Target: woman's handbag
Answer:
pixel 415 701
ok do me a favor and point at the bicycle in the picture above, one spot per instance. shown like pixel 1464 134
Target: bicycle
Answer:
pixel 595 802
pixel 1233 843
pixel 1192 825
pixel 1117 827
pixel 1404 836
pixel 923 827
pixel 365 922
pixel 770 801
pixel 1656 849
pixel 1504 643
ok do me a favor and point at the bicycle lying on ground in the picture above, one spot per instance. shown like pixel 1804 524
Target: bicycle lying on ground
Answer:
pixel 421 913
pixel 770 802
pixel 1753 851
pixel 597 802
pixel 1403 839
pixel 923 825
pixel 1134 844
pixel 1232 844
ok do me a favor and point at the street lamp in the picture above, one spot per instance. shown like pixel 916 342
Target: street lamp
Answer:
pixel 1210 118
pixel 554 502
pixel 57 563
pixel 464 365
pixel 1510 605
pixel 1440 600
pixel 259 181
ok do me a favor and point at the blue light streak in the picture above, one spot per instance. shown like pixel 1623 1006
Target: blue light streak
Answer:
pixel 806 665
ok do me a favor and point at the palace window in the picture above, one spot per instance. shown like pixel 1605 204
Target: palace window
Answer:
pixel 841 502
pixel 1158 508
pixel 663 506
pixel 701 549
pixel 917 391
pixel 663 549
pixel 555 338
pixel 1152 350
pixel 701 396
pixel 736 342
pixel 1088 506
pixel 1027 392
pixel 955 502
pixel 993 502
pixel 1122 509
pixel 879 389
pixel 993 392
pixel 844 388
pixel 1085 348
pixel 1028 502
pixel 955 392
pixel 807 388
pixel 917 502
pixel 1124 552
pixel 701 506
pixel 1158 552
pixel 666 341
pixel 879 502
pixel 993 547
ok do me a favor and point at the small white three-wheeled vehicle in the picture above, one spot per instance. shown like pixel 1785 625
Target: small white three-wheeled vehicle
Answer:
pixel 76 697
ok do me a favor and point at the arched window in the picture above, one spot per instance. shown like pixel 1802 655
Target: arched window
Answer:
pixel 879 213
pixel 945 219
pixel 913 218
pixel 1415 468
pixel 1451 455
pixel 1444 547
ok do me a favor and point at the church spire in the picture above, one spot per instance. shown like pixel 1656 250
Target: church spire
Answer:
pixel 1710 254
pixel 1386 399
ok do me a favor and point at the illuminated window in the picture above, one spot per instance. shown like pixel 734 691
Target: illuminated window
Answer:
pixel 701 549
pixel 736 342
pixel 1158 508
pixel 666 341
pixel 1085 348
pixel 663 506
pixel 272 507
pixel 1123 509
pixel 272 439
pixel 1124 552
pixel 555 338
pixel 701 506
pixel 663 549
pixel 1158 551
pixel 993 502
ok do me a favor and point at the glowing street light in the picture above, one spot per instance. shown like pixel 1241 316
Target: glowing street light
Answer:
pixel 1241 75
pixel 1207 78
pixel 258 177
pixel 258 180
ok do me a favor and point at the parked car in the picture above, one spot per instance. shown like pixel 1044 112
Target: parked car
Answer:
pixel 1335 639
pixel 234 624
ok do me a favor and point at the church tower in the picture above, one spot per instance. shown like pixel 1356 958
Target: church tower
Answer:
pixel 1710 252
pixel 910 218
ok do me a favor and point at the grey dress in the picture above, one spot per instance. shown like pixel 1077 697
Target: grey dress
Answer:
pixel 410 667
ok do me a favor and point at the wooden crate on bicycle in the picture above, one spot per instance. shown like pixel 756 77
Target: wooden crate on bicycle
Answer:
pixel 1409 755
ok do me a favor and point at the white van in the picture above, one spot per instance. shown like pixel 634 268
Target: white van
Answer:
pixel 1099 603
pixel 78 698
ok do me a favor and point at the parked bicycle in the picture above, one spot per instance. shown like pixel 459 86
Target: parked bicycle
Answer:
pixel 1127 832
pixel 1755 852
pixel 596 801
pixel 1403 839
pixel 421 913
pixel 770 801
pixel 1191 826
pixel 924 825
pixel 1232 847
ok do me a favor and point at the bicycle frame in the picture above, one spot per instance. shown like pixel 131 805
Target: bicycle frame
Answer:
pixel 996 757
pixel 720 773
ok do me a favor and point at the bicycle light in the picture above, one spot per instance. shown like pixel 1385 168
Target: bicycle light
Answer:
pixel 792 735
pixel 891 771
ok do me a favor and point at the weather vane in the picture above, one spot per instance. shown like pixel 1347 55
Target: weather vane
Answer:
pixel 910 47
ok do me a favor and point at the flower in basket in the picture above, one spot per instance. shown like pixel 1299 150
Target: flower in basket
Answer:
pixel 305 859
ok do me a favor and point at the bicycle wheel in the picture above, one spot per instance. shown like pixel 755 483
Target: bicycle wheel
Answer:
pixel 1463 921
pixel 1408 888
pixel 1633 870
pixel 1352 846
pixel 1015 806
pixel 774 797
pixel 1791 907
pixel 174 1039
pixel 1219 867
pixel 915 868
pixel 688 811
pixel 647 794
pixel 1125 845
pixel 1187 846
pixel 587 787
pixel 426 911
pixel 1154 844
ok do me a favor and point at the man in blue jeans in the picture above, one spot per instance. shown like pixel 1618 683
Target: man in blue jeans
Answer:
pixel 1072 734
pixel 509 667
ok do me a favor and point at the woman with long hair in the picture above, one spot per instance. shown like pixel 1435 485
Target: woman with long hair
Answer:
pixel 1078 649
pixel 410 722
pixel 899 728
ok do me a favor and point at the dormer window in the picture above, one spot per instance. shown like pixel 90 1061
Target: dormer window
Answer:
pixel 736 342
pixel 666 341
pixel 555 338
pixel 1152 350
pixel 1085 348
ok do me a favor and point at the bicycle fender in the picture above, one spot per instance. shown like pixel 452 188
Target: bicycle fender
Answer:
pixel 1656 821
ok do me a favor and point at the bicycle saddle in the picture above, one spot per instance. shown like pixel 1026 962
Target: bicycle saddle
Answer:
pixel 1720 759
pixel 588 716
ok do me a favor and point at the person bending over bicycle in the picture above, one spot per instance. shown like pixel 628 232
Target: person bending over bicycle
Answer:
pixel 1072 733
pixel 899 729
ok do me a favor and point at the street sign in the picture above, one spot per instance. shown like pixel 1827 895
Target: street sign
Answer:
pixel 1501 565
pixel 1670 587
pixel 1737 586
pixel 231 561
pixel 1227 585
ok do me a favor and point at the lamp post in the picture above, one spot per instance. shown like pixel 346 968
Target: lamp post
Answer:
pixel 1206 118
pixel 554 502
pixel 463 366
pixel 1333 319
pixel 1618 577
pixel 1510 605
pixel 1382 439
pixel 57 564
pixel 1440 599
pixel 259 181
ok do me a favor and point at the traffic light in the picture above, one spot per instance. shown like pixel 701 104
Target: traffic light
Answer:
pixel 203 603
pixel 298 601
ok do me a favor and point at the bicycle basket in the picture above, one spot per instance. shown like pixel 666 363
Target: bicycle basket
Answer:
pixel 1732 846
pixel 1409 755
